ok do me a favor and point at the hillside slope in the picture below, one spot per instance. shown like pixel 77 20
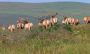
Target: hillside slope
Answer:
pixel 67 8
pixel 11 11
pixel 61 39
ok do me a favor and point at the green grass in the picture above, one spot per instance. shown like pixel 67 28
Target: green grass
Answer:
pixel 59 39
pixel 56 41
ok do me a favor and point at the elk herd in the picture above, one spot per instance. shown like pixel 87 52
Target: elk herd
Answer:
pixel 21 24
pixel 25 24
pixel 70 20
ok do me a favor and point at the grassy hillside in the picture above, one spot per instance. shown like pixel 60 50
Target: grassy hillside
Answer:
pixel 60 39
pixel 11 11
pixel 67 8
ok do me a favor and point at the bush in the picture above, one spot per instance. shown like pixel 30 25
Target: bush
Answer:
pixel 68 27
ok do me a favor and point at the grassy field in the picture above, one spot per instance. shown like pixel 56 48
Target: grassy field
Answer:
pixel 60 39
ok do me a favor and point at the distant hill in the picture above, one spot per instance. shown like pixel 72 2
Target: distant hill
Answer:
pixel 66 8
pixel 75 9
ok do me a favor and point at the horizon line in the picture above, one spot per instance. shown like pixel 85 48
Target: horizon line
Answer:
pixel 39 2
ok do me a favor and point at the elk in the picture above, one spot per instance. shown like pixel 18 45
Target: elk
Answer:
pixel 86 19
pixel 11 27
pixel 53 20
pixel 28 26
pixel 44 23
pixel 70 20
